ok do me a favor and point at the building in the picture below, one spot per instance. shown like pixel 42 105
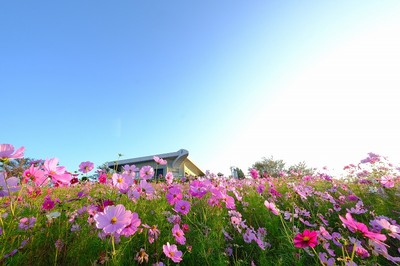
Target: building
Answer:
pixel 177 162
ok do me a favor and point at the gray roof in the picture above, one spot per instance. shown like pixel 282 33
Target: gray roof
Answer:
pixel 180 156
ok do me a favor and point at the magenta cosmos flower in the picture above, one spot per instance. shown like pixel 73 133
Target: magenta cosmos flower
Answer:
pixel 254 173
pixel 113 219
pixel 306 239
pixel 174 195
pixel 172 252
pixel 86 167
pixel 146 172
pixel 7 152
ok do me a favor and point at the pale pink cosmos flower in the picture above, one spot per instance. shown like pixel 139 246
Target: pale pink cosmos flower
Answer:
pixel 387 181
pixel 122 182
pixel 130 169
pixel 132 227
pixel 8 184
pixel 146 172
pixel 153 232
pixel 146 187
pixel 178 234
pixel 113 219
pixel 160 160
pixel 271 206
pixel 172 252
pixel 324 233
pixel 86 167
pixel 394 230
pixel 58 174
pixel 169 178
pixel 7 152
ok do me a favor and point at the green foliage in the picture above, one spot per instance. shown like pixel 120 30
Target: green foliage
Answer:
pixel 240 173
pixel 276 168
pixel 206 244
pixel 269 166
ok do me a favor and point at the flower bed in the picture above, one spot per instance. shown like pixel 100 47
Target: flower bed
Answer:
pixel 50 216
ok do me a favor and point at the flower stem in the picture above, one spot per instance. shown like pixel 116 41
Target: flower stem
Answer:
pixel 316 254
pixel 113 246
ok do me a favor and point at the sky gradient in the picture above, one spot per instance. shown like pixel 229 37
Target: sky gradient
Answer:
pixel 230 81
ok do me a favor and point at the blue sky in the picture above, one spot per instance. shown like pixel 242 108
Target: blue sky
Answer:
pixel 230 81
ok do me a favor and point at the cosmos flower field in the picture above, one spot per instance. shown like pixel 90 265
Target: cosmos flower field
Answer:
pixel 50 216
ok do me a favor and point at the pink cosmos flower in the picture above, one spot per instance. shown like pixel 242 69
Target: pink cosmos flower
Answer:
pixel 159 160
pixel 271 206
pixel 182 206
pixel 122 182
pixel 58 174
pixel 86 167
pixel 48 203
pixel 130 169
pixel 34 174
pixel 8 184
pixel 172 252
pixel 306 239
pixel 355 226
pixel 324 233
pixel 260 188
pixel 394 230
pixel 113 219
pixel 174 195
pixel 178 234
pixel 26 223
pixel 6 152
pixel 387 181
pixel 146 187
pixel 326 261
pixel 146 172
pixel 169 178
pixel 103 178
pixel 197 189
pixel 249 235
pixel 153 232
pixel 254 173
pixel 133 226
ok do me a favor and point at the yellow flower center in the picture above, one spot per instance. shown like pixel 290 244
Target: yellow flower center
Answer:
pixel 114 220
pixel 119 180
pixel 306 238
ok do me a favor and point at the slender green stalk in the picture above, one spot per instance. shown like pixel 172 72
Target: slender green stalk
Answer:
pixel 113 246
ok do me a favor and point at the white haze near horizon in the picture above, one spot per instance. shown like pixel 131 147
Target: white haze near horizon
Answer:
pixel 340 106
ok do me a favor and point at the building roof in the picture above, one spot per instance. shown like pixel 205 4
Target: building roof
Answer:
pixel 178 158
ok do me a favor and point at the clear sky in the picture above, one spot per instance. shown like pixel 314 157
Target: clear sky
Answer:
pixel 230 81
